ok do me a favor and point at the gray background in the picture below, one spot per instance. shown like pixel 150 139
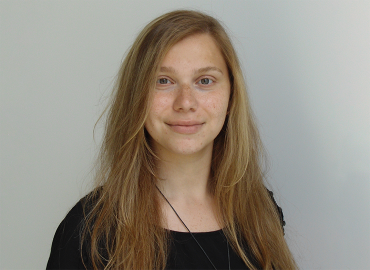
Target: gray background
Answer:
pixel 307 66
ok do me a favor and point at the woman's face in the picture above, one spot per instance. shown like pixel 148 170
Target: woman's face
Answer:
pixel 190 99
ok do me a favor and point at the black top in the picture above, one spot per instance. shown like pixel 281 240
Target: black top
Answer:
pixel 186 254
pixel 184 251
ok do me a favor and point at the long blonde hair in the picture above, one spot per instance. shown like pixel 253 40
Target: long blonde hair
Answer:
pixel 122 222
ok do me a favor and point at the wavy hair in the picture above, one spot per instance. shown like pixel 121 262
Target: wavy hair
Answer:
pixel 122 225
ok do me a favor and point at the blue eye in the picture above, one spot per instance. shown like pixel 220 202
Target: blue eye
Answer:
pixel 163 81
pixel 206 81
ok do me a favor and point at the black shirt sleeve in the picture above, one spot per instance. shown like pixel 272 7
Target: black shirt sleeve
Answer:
pixel 65 250
pixel 279 210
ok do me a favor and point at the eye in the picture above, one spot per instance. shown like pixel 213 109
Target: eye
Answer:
pixel 206 81
pixel 163 81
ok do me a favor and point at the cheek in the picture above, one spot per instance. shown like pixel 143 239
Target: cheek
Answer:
pixel 218 105
pixel 160 102
pixel 157 114
pixel 156 110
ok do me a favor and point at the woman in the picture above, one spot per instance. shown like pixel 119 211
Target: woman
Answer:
pixel 179 184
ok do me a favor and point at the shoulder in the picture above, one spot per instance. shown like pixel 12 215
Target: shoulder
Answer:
pixel 66 246
pixel 278 209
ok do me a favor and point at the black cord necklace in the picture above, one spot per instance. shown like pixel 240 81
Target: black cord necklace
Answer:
pixel 227 243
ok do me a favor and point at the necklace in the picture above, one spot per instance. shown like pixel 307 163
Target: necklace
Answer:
pixel 227 243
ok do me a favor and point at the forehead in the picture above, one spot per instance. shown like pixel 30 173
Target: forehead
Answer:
pixel 196 50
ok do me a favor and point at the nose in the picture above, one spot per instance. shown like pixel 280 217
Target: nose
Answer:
pixel 185 99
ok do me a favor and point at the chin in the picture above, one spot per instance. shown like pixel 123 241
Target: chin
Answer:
pixel 191 149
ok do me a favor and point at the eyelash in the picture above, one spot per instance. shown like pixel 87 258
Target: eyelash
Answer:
pixel 210 81
pixel 159 81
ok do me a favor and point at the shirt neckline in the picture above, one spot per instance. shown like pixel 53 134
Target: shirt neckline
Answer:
pixel 195 233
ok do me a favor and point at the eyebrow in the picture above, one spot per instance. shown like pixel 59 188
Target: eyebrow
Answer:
pixel 201 70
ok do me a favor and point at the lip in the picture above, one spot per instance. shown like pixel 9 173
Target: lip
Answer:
pixel 185 126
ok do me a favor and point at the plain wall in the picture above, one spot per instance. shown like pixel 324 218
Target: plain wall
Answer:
pixel 307 66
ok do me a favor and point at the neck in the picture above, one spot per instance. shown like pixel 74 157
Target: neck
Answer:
pixel 183 180
pixel 184 176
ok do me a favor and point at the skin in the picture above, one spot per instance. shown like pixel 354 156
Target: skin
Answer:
pixel 188 110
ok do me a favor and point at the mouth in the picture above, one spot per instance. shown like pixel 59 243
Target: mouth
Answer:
pixel 185 127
